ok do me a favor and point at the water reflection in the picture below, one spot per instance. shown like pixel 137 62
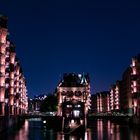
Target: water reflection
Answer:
pixel 98 130
pixel 84 136
pixel 23 133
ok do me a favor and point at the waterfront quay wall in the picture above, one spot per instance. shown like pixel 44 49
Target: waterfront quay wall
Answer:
pixel 9 122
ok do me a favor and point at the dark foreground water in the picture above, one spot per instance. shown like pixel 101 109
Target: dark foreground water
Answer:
pixel 98 130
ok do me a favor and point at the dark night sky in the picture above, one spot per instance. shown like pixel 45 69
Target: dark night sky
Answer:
pixel 98 37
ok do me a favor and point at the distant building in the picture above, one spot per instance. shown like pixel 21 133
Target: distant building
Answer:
pixel 100 102
pixel 125 94
pixel 135 84
pixel 13 92
pixel 73 93
pixel 103 102
pixel 35 103
pixel 115 97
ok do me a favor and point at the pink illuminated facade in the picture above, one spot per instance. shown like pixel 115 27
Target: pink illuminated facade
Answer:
pixel 100 102
pixel 13 93
pixel 73 94
pixel 124 95
pixel 135 85
pixel 115 97
pixel 103 102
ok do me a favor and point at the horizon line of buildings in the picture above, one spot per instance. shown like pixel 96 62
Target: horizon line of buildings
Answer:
pixel 13 92
pixel 124 95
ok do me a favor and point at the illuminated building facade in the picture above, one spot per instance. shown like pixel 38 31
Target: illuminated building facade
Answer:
pixel 13 93
pixel 125 94
pixel 103 102
pixel 115 97
pixel 100 102
pixel 73 94
pixel 135 84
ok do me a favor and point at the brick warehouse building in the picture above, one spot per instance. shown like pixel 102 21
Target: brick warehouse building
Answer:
pixel 73 94
pixel 124 96
pixel 13 93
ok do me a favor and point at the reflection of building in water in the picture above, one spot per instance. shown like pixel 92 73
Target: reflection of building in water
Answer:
pixel 60 136
pixel 24 132
pixel 87 135
pixel 114 132
pixel 108 129
pixel 73 94
pixel 100 129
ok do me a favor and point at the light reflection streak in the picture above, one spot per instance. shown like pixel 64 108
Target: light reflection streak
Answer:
pixel 23 133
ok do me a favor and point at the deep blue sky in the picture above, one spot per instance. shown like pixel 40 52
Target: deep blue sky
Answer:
pixel 98 37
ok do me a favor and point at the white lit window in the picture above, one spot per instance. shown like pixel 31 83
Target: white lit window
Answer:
pixel 133 62
pixel 76 113
pixel 134 71
pixel 134 83
pixel 135 89
pixel 68 106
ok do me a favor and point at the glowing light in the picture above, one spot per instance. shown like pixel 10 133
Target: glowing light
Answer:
pixel 133 62
pixel 135 89
pixel 134 71
pixel 72 121
pixel 76 113
pixel 135 103
pixel 134 83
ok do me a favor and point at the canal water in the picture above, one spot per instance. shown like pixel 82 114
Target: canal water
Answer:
pixel 99 129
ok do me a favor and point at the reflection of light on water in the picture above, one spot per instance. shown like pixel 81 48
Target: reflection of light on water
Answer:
pixel 100 129
pixel 88 134
pixel 72 138
pixel 117 132
pixel 26 125
pixel 112 128
pixel 108 129
pixel 60 136
pixel 23 132
pixel 85 135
